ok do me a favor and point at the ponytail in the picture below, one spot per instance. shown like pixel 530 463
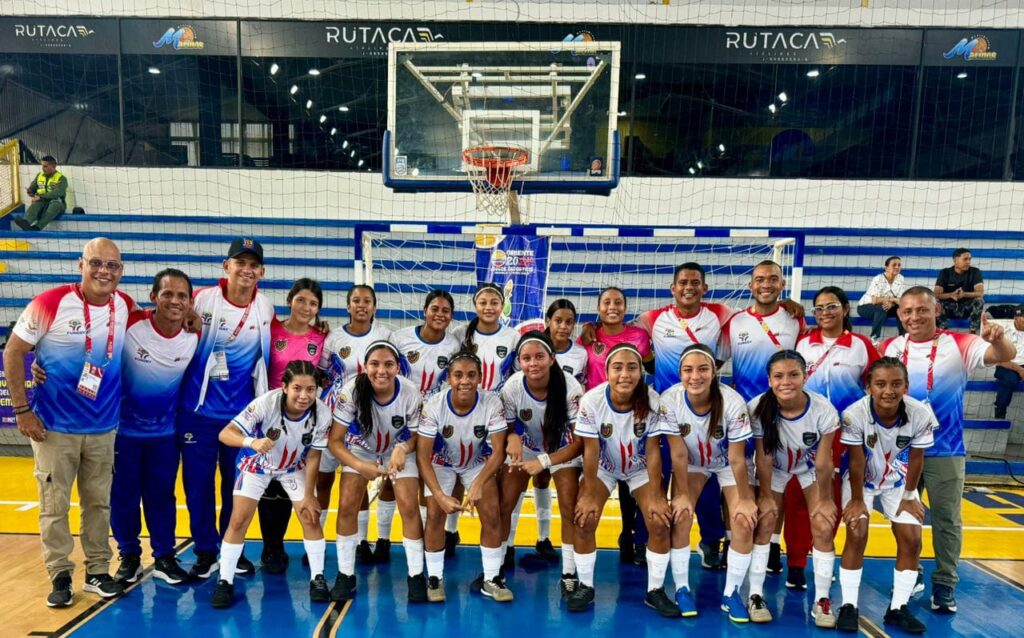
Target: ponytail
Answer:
pixel 467 341
pixel 717 400
pixel 767 410
pixel 641 400
pixel 556 410
pixel 363 393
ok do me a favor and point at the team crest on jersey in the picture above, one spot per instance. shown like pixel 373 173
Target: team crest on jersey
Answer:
pixel 639 427
pixel 307 439
pixel 744 337
pixel 902 441
pixel 684 429
pixel 719 432
pixel 447 431
pixel 274 434
pixel 76 327
pixel 871 440
pixel 311 349
pixel 501 351
pixel 606 430
pixel 442 362
pixel 810 438
pixel 189 438
pixel 598 347
pixel 280 345
pixel 142 355
pixel 479 431
pixel 526 414
pixel 344 352
pixel 413 357
pixel 397 421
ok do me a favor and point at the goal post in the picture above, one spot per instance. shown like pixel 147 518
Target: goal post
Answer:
pixel 10 189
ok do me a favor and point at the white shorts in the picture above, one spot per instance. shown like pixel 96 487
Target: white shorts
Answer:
pixel 329 463
pixel 890 500
pixel 409 471
pixel 724 474
pixel 447 476
pixel 635 481
pixel 252 485
pixel 529 455
pixel 780 478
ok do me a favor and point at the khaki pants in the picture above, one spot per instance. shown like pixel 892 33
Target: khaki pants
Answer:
pixel 943 480
pixel 59 460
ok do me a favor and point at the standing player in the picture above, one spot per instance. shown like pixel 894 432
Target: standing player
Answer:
pixel 886 433
pixel 277 432
pixel 559 324
pixel 228 371
pixel 484 336
pixel 793 431
pixel 462 439
pixel 427 347
pixel 376 415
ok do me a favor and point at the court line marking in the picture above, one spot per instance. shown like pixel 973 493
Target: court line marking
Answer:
pixel 995 574
pixel 341 617
pixel 869 628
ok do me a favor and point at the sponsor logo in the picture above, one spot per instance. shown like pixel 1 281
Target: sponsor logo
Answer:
pixel 344 352
pixel 413 357
pixel 53 36
pixel 779 46
pixel 206 318
pixel 684 429
pixel 499 258
pixel 442 362
pixel 526 414
pixel 142 355
pixel 871 440
pixel 397 421
pixel 180 37
pixel 311 349
pixel 76 327
pixel 479 431
pixel 580 36
pixel 447 431
pixel 606 430
pixel 744 337
pixel 596 167
pixel 639 427
pixel 280 345
pixel 501 351
pixel 375 39
pixel 810 438
pixel 902 441
pixel 977 48
pixel 189 438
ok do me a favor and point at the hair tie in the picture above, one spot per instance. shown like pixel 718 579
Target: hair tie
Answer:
pixel 619 348
pixel 381 343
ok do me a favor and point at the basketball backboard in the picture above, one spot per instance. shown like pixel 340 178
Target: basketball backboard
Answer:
pixel 558 101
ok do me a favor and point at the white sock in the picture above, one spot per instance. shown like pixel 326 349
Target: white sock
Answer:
pixel 776 539
pixel 315 549
pixel 451 524
pixel 515 521
pixel 435 563
pixel 413 555
pixel 229 555
pixel 823 565
pixel 423 515
pixel 680 561
pixel 902 587
pixel 323 519
pixel 491 557
pixel 362 525
pixel 758 568
pixel 568 559
pixel 657 565
pixel 585 564
pixel 849 582
pixel 542 500
pixel 347 553
pixel 385 514
pixel 735 571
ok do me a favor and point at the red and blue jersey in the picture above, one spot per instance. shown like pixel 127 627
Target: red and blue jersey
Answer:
pixel 671 333
pixel 461 441
pixel 751 340
pixel 887 448
pixel 836 367
pixel 292 438
pixel 622 437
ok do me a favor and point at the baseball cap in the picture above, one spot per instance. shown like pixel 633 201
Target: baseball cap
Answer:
pixel 245 245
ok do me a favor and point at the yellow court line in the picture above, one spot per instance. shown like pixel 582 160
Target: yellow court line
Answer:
pixel 341 617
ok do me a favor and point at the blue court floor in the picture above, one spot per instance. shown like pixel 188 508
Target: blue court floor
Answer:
pixel 278 606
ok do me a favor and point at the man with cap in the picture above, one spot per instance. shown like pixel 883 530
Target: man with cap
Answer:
pixel 227 372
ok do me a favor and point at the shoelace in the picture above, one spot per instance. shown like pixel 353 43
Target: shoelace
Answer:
pixel 826 606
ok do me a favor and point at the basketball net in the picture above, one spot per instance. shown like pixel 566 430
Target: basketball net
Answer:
pixel 492 171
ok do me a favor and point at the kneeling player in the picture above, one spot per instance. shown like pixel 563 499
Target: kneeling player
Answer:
pixel 886 433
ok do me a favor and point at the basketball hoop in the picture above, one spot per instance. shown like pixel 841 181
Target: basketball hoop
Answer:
pixel 491 171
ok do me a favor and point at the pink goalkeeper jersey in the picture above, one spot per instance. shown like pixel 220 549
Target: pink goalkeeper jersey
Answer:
pixel 597 351
pixel 286 347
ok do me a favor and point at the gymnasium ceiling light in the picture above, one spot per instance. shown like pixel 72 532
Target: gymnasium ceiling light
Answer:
pixel 274 68
pixel 309 104
pixel 813 73
pixel 154 70
pixel 640 76
pixel 334 130
pixel 343 108
pixel 314 72
pixel 783 97
pixel 294 89
pixel 345 144
pixel 772 107
pixel 961 75
pixel 361 162
pixel 721 148
pixel 323 118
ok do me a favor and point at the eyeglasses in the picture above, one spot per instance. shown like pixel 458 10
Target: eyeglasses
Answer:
pixel 99 264
pixel 832 307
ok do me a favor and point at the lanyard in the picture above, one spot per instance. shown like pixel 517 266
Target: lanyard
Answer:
pixel 88 325
pixel 814 366
pixel 241 324
pixel 931 361
pixel 764 326
pixel 686 327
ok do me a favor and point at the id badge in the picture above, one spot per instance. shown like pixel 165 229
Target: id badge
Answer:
pixel 89 382
pixel 220 366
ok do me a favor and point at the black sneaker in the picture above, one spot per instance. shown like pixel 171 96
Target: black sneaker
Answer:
pixel 659 601
pixel 103 585
pixel 581 599
pixel 130 569
pixel 206 563
pixel 709 556
pixel 775 559
pixel 274 561
pixel 22 224
pixel 451 540
pixel 223 595
pixel 724 562
pixel 903 619
pixel 364 553
pixel 943 600
pixel 849 619
pixel 417 588
pixel 568 585
pixel 382 551
pixel 168 570
pixel 796 578
pixel 626 553
pixel 318 591
pixel 478 582
pixel 344 587
pixel 61 594
pixel 640 554
pixel 508 564
pixel 245 566
pixel 547 551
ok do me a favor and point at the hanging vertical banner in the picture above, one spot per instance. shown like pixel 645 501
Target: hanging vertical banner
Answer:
pixel 519 265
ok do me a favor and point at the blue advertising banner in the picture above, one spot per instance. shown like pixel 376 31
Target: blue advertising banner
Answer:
pixel 7 419
pixel 519 264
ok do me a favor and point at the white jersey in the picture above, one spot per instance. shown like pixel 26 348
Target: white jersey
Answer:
pixel 292 439
pixel 525 413
pixel 750 340
pixel 574 362
pixel 497 352
pixel 427 361
pixel 799 437
pixel 707 445
pixel 623 438
pixel 461 441
pixel 887 449
pixel 343 355
pixel 393 422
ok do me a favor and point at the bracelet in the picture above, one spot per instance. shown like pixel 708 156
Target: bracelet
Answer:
pixel 247 442
pixel 23 410
pixel 19 407
pixel 545 460
pixel 911 495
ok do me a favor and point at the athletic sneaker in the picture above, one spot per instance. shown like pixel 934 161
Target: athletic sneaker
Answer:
pixel 497 589
pixel 547 551
pixel 382 551
pixel 684 599
pixel 918 585
pixel 206 563
pixel 581 599
pixel 344 587
pixel 168 570
pixel 417 588
pixel 659 601
pixel 451 540
pixel 244 566
pixel 103 585
pixel 508 563
pixel 223 595
pixel 796 578
pixel 318 591
pixel 903 619
pixel 626 552
pixel 849 619
pixel 478 582
pixel 275 561
pixel 822 613
pixel 943 600
pixel 775 559
pixel 435 589
pixel 640 554
pixel 130 569
pixel 567 585
pixel 61 594
pixel 734 607
pixel 758 610
pixel 709 556
pixel 364 553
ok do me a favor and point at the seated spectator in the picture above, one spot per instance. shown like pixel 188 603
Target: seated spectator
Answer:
pixel 48 191
pixel 882 298
pixel 960 290
pixel 1009 373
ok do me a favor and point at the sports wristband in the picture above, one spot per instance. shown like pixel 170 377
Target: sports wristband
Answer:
pixel 24 410
pixel 545 460
pixel 247 442
pixel 911 496
pixel 19 407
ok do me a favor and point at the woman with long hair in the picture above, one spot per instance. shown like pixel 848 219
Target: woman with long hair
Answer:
pixel 559 324
pixel 493 343
pixel 427 347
